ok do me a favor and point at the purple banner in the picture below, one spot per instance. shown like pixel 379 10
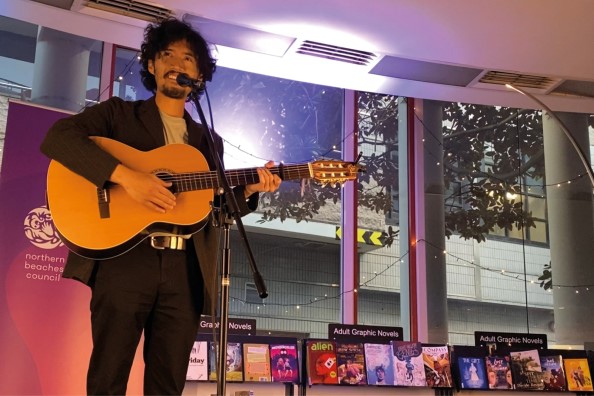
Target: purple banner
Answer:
pixel 45 332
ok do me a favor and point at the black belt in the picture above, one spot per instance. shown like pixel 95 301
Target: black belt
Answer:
pixel 168 242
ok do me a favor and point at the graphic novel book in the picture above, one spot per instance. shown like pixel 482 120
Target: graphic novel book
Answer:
pixel 526 370
pixel 577 374
pixel 472 371
pixel 350 358
pixel 379 364
pixel 321 362
pixel 198 367
pixel 256 359
pixel 438 372
pixel 553 376
pixel 284 364
pixel 498 372
pixel 409 369
pixel 234 362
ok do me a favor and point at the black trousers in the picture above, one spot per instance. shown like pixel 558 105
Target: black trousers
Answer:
pixel 158 292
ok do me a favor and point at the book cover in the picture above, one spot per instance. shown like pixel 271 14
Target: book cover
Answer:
pixel 350 360
pixel 234 362
pixel 498 372
pixel 321 362
pixel 577 374
pixel 256 358
pixel 213 351
pixel 198 366
pixel 553 376
pixel 472 371
pixel 283 363
pixel 438 372
pixel 409 369
pixel 379 364
pixel 526 370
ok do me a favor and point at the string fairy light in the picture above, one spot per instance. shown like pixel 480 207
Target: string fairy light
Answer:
pixel 317 300
pixel 500 272
pixel 324 154
pixel 507 273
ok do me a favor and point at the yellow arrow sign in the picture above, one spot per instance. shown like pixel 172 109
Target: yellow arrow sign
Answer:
pixel 375 238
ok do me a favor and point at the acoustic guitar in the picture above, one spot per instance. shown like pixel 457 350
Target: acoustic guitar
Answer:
pixel 101 223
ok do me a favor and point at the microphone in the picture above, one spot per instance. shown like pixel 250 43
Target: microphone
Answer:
pixel 186 81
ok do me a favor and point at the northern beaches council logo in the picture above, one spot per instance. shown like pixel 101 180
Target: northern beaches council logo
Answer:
pixel 40 229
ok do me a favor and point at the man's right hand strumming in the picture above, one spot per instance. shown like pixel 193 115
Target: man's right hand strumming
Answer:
pixel 145 188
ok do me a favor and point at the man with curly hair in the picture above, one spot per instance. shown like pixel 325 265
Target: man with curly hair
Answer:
pixel 160 287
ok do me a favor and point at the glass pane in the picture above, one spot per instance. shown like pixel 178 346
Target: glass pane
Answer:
pixel 537 206
pixel 492 277
pixel 539 232
pixel 293 232
pixel 535 186
pixel 19 63
pixel 378 216
pixel 497 231
pixel 17 57
pixel 516 233
pixel 127 83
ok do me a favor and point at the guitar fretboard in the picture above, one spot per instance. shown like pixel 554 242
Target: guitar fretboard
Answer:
pixel 237 177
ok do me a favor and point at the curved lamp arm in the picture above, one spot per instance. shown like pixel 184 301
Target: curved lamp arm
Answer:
pixel 564 128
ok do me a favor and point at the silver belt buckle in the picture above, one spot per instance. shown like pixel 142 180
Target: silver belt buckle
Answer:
pixel 157 242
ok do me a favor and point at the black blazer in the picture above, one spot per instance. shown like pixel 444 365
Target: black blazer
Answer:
pixel 137 124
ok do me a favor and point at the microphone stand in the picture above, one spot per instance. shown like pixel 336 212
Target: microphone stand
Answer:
pixel 229 212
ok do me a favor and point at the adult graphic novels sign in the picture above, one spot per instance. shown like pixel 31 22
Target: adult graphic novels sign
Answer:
pixel 362 333
pixel 497 341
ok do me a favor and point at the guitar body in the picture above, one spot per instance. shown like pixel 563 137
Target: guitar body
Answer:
pixel 99 228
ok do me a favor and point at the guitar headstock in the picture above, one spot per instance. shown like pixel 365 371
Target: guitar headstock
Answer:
pixel 334 172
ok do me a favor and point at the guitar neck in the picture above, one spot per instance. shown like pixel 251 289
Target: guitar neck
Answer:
pixel 193 181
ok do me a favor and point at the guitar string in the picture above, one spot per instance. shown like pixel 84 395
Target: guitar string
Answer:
pixel 209 178
pixel 288 170
pixel 291 172
pixel 245 177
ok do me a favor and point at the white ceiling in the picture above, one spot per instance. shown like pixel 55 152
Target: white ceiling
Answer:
pixel 419 46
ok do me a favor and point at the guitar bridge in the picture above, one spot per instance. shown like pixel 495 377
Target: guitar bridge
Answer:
pixel 103 202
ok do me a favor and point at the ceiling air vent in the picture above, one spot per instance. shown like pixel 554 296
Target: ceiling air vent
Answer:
pixel 336 53
pixel 131 8
pixel 498 79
